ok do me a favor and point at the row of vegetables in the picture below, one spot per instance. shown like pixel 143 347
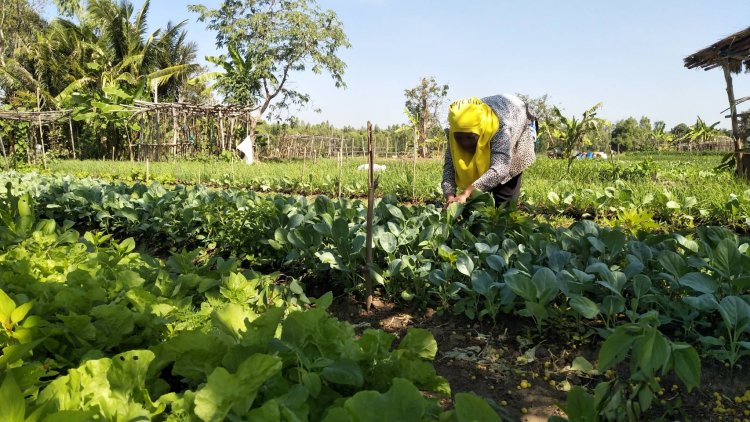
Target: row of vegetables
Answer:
pixel 658 299
pixel 93 329
pixel 672 194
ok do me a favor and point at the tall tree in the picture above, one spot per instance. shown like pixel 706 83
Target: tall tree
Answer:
pixel 274 39
pixel 647 138
pixel 20 24
pixel 680 130
pixel 546 118
pixel 625 134
pixel 174 63
pixel 69 7
pixel 423 105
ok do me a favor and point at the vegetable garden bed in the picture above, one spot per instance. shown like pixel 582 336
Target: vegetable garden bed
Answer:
pixel 590 308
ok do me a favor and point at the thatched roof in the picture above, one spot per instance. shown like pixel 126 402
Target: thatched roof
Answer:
pixel 733 50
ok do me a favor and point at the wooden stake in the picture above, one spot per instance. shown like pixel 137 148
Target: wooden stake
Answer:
pixel 175 129
pixel 370 217
pixel 2 144
pixel 341 163
pixel 221 132
pixel 72 142
pixel 41 133
pixel 414 173
pixel 304 163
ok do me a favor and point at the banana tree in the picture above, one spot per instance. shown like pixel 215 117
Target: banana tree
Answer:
pixel 573 134
pixel 662 139
pixel 701 132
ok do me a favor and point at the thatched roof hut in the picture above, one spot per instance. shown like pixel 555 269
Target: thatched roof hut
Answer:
pixel 732 54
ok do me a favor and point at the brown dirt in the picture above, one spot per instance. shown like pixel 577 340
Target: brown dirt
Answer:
pixel 489 360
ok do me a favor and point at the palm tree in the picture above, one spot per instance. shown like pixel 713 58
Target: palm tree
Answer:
pixel 139 60
pixel 105 60
pixel 175 61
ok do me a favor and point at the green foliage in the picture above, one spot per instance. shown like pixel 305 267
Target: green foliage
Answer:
pixel 423 107
pixel 651 354
pixel 97 66
pixel 631 288
pixel 270 40
pixel 119 335
pixel 573 135
pixel 701 132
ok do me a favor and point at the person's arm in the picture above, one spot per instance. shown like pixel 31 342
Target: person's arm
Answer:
pixel 449 175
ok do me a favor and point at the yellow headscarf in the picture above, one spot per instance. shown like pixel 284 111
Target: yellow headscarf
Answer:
pixel 474 116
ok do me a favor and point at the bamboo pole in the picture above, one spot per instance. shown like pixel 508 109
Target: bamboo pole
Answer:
pixel 130 143
pixel 304 163
pixel 72 141
pixel 371 185
pixel 158 135
pixel 414 172
pixel 41 132
pixel 5 156
pixel 175 128
pixel 221 133
pixel 341 164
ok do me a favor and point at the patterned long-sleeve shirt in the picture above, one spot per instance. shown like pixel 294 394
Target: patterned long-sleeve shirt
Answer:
pixel 511 148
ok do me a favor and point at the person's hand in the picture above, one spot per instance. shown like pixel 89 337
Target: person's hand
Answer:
pixel 449 200
pixel 462 197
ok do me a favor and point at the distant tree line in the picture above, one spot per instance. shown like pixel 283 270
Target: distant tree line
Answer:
pixel 97 57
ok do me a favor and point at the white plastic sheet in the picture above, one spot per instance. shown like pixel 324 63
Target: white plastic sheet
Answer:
pixel 246 147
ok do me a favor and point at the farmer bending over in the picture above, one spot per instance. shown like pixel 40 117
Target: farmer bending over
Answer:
pixel 490 144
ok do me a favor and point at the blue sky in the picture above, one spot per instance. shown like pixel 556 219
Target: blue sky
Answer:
pixel 626 54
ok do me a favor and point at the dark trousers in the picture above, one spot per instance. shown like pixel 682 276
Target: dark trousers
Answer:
pixel 507 192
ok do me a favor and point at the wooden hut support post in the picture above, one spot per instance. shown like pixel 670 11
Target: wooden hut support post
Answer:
pixel 741 157
pixel 732 54
pixel 732 107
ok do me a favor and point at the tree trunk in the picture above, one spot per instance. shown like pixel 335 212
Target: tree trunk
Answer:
pixel 742 159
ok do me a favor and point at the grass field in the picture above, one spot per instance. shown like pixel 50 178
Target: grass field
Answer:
pixel 469 278
pixel 676 188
